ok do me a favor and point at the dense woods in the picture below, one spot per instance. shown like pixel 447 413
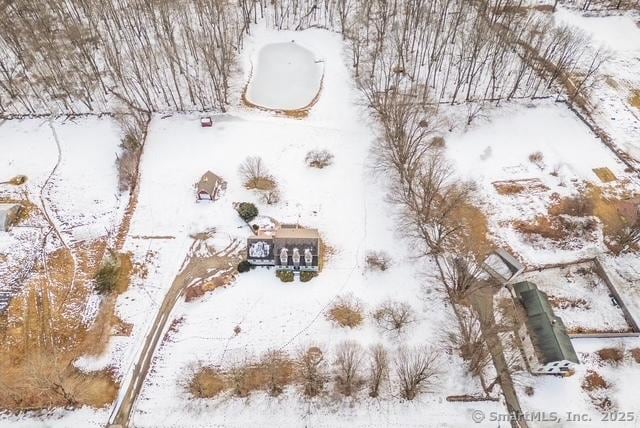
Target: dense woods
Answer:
pixel 78 56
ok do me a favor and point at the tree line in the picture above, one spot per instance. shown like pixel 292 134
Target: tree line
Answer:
pixel 77 56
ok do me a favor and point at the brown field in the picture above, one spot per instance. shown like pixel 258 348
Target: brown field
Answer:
pixel 45 333
pixel 634 99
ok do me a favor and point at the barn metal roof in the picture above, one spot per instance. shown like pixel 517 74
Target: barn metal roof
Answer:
pixel 547 330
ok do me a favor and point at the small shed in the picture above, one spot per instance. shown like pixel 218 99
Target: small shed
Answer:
pixel 502 266
pixel 206 122
pixel 8 215
pixel 210 186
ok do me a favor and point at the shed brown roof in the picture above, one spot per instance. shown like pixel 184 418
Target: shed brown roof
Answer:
pixel 208 182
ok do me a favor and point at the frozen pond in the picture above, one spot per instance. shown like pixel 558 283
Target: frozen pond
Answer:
pixel 285 76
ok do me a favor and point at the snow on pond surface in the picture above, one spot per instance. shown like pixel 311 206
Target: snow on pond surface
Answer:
pixel 285 77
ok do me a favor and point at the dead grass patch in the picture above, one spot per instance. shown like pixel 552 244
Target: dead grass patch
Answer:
pixel 476 241
pixel 566 303
pixel 512 188
pixel 611 355
pixel 346 312
pixel 635 354
pixel 207 383
pixel 124 276
pixel 576 206
pixel 271 374
pixel 542 226
pixel 262 183
pixel 48 316
pixel 593 381
pixel 634 99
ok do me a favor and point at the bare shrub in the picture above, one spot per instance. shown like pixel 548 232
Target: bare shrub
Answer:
pixel 205 382
pixel 635 354
pixel 378 368
pixel 394 316
pixel 417 370
pixel 346 312
pixel 278 372
pixel 577 206
pixel 593 380
pixel 537 158
pixel 255 175
pixel 611 355
pixel 319 158
pixel 378 260
pixel 348 368
pixel 271 196
pixel 311 370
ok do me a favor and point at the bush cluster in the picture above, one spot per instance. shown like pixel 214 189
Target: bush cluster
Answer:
pixel 247 211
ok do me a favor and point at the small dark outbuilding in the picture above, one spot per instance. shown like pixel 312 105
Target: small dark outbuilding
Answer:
pixel 206 122
pixel 210 186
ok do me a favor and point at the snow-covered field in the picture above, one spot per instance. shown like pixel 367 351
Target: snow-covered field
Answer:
pixel 286 76
pixel 343 201
pixel 79 194
pixel 620 35
pixel 498 147
pixel 346 202
pixel 566 395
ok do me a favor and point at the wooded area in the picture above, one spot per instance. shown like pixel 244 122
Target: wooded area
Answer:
pixel 85 56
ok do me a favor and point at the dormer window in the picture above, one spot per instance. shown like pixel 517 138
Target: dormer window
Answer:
pixel 296 256
pixel 308 257
pixel 284 256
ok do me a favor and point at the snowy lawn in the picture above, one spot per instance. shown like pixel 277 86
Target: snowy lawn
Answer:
pixel 82 192
pixel 581 298
pixel 612 96
pixel 286 76
pixel 344 201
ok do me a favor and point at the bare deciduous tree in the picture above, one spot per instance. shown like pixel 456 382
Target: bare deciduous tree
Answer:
pixel 278 370
pixel 255 175
pixel 378 369
pixel 417 370
pixel 430 202
pixel 312 370
pixel 394 316
pixel 468 341
pixel 348 368
pixel 460 274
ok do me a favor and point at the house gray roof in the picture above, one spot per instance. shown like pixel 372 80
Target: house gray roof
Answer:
pixel 547 330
